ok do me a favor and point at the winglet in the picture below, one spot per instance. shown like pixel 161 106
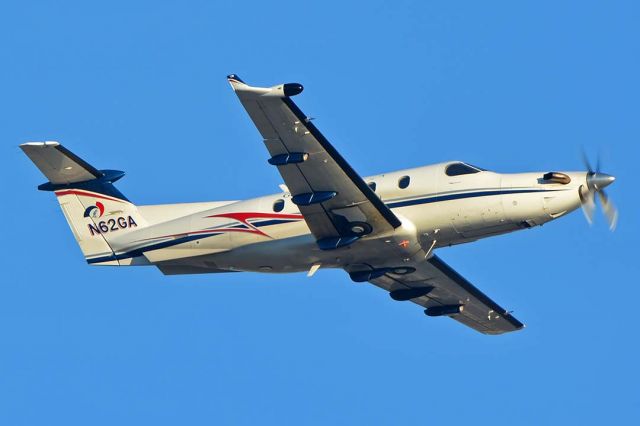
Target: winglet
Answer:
pixel 235 77
pixel 235 81
pixel 281 90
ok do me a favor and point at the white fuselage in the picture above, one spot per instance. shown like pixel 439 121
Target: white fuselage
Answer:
pixel 436 210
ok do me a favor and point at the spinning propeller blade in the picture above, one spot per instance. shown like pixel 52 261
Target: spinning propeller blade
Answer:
pixel 596 182
pixel 609 210
pixel 588 206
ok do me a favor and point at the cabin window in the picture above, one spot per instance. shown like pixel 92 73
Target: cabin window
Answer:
pixel 457 169
pixel 278 205
pixel 372 185
pixel 404 182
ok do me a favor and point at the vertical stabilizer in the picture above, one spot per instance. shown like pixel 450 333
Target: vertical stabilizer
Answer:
pixel 95 210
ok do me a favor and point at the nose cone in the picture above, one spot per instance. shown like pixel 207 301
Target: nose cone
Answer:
pixel 600 180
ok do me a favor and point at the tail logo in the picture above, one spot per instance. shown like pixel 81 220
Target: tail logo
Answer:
pixel 95 211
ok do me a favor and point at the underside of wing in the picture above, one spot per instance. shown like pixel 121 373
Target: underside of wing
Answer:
pixel 442 291
pixel 335 201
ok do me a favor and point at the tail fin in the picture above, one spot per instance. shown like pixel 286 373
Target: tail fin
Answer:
pixel 93 207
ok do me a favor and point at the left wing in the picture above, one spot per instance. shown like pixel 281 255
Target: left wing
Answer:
pixel 336 203
pixel 434 285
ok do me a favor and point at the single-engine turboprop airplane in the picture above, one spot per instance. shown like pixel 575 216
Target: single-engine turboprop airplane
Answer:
pixel 382 229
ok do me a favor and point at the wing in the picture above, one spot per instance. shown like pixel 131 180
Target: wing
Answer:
pixel 335 201
pixel 442 291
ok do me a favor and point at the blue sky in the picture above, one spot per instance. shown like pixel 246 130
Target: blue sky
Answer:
pixel 140 87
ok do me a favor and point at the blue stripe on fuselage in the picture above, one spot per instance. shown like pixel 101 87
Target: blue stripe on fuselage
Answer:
pixel 139 251
pixel 461 195
pixel 274 222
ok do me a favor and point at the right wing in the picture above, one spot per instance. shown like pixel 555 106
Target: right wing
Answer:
pixel 335 201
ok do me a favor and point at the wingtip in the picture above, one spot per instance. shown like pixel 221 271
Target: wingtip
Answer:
pixel 280 90
pixel 233 78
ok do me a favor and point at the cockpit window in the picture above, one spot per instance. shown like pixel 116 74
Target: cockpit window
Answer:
pixel 457 169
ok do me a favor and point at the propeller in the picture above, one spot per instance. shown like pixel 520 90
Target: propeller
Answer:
pixel 596 182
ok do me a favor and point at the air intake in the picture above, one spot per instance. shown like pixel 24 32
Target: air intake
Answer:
pixel 556 177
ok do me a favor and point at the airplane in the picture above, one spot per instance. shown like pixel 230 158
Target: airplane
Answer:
pixel 381 229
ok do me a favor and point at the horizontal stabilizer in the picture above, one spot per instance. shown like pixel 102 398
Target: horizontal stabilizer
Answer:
pixel 58 164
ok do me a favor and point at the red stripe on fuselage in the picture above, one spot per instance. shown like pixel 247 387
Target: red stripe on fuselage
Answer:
pixel 86 194
pixel 244 216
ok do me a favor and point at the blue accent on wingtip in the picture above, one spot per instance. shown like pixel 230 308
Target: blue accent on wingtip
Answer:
pixel 292 89
pixel 235 77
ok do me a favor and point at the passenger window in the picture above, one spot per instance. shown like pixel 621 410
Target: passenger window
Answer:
pixel 404 182
pixel 372 185
pixel 278 205
pixel 457 169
